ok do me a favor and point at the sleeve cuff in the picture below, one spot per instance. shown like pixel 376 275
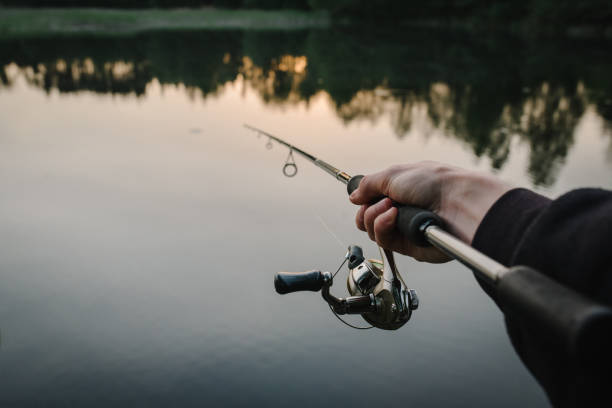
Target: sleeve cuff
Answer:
pixel 504 225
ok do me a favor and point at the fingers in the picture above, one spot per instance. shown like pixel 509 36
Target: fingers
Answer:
pixel 372 187
pixel 386 235
pixel 379 220
pixel 419 184
pixel 384 229
pixel 359 217
pixel 372 212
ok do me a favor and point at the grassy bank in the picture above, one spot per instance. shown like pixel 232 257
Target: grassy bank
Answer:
pixel 32 22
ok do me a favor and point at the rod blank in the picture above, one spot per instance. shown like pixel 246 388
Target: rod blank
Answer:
pixel 573 322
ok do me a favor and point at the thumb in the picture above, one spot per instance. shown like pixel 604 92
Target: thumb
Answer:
pixel 371 188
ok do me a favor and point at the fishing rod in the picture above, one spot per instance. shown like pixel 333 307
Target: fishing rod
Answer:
pixel 571 321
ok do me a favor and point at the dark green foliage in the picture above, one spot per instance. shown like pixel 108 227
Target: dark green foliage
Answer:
pixel 259 4
pixel 551 13
pixel 572 12
pixel 276 4
pixel 110 3
pixel 431 9
pixel 227 3
pixel 486 82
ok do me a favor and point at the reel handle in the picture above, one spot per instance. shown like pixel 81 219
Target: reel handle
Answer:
pixel 411 221
pixel 288 282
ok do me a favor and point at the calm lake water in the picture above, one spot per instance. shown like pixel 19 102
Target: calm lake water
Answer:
pixel 142 224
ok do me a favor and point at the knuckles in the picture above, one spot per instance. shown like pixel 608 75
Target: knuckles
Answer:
pixel 369 216
pixel 359 218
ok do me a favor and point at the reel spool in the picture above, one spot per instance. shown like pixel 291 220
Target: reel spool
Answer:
pixel 377 291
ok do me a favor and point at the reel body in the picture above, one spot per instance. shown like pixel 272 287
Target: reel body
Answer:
pixel 377 291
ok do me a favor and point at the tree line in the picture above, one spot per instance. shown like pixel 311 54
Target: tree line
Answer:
pixel 483 91
pixel 551 13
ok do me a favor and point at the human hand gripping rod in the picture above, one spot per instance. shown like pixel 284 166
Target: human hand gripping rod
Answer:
pixel 571 321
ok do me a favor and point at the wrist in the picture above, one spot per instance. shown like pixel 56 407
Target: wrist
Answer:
pixel 466 198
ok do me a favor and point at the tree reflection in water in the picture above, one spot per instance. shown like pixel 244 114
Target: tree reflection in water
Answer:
pixel 485 92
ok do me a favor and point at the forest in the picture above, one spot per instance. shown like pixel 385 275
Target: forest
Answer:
pixel 481 92
pixel 551 14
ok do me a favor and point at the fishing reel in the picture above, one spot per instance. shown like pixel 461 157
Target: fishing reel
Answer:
pixel 377 290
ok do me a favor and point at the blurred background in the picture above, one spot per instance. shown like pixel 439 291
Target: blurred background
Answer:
pixel 142 224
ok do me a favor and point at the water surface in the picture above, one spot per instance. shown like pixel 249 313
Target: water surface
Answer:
pixel 142 225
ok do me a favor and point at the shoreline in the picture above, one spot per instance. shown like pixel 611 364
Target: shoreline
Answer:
pixel 17 22
pixel 30 22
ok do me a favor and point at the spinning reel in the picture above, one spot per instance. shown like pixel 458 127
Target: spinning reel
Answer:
pixel 572 322
pixel 377 290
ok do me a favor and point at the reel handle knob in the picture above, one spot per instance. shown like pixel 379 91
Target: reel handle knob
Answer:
pixel 288 282
pixel 411 221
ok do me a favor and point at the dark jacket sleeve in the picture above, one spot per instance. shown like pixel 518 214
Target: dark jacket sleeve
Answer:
pixel 568 239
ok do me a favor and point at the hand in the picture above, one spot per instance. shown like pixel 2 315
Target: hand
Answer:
pixel 460 197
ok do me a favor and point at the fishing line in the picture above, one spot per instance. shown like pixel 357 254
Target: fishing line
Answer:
pixel 338 240
pixel 326 226
pixel 576 324
pixel 347 323
pixel 369 286
pixel 332 309
pixel 340 267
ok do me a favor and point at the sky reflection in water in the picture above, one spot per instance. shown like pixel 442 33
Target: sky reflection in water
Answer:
pixel 142 224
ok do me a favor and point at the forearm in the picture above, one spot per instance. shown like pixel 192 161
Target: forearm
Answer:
pixel 567 239
pixel 468 196
pixel 504 226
